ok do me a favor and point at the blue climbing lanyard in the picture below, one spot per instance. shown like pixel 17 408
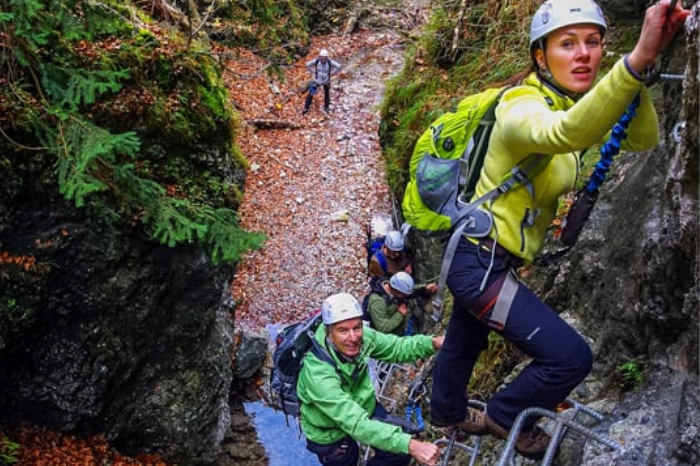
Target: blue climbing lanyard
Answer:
pixel 416 391
pixel 413 408
pixel 612 147
pixel 586 198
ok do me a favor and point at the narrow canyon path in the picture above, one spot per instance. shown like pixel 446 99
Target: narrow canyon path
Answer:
pixel 313 185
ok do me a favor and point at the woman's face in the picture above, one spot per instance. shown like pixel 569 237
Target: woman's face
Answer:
pixel 573 56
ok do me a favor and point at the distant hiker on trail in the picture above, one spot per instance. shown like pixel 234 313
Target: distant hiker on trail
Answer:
pixel 393 303
pixel 558 109
pixel 321 68
pixel 392 257
pixel 339 405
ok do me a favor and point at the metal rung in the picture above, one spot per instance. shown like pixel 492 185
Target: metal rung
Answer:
pixel 564 421
pixel 384 374
pixel 562 426
pixel 451 443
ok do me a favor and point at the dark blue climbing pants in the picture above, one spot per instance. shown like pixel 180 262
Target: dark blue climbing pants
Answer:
pixel 346 452
pixel 326 98
pixel 561 359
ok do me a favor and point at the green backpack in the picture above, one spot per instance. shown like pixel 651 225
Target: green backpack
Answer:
pixel 447 161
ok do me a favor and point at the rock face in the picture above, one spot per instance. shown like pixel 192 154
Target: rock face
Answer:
pixel 121 336
pixel 632 283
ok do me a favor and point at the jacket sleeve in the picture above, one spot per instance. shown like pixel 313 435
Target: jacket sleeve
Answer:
pixel 335 67
pixel 323 390
pixel 392 348
pixel 310 65
pixel 385 316
pixel 528 123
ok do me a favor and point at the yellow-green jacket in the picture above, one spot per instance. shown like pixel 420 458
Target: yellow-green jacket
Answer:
pixel 332 408
pixel 526 123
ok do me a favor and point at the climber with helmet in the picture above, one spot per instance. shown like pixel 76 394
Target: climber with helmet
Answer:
pixel 321 69
pixel 394 302
pixel 556 108
pixel 392 257
pixel 339 405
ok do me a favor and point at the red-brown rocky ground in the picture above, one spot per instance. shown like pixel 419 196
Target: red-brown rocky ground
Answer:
pixel 302 177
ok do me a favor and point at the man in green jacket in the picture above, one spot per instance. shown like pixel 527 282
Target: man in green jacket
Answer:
pixel 393 302
pixel 339 406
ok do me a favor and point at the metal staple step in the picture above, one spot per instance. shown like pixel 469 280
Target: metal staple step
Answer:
pixel 386 374
pixel 564 422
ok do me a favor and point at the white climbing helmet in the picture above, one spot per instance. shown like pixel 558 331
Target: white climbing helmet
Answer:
pixel 555 14
pixel 402 282
pixel 323 53
pixel 339 307
pixel 394 241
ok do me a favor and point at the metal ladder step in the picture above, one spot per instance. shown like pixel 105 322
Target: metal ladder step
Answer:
pixel 564 422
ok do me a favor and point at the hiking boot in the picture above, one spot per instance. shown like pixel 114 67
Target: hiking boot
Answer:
pixel 473 424
pixel 531 444
pixel 326 110
pixel 305 111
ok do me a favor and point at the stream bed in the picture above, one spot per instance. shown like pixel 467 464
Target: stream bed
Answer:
pixel 284 444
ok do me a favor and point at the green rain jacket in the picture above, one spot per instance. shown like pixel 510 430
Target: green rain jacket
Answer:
pixel 535 118
pixel 334 407
pixel 386 316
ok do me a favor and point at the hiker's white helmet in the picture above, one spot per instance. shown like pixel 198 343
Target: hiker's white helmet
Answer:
pixel 394 241
pixel 323 53
pixel 555 14
pixel 339 307
pixel 402 282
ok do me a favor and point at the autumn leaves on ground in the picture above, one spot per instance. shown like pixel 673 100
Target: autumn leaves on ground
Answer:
pixel 312 189
pixel 313 183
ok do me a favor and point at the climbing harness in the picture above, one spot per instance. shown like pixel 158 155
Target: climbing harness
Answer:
pixel 479 226
pixel 493 304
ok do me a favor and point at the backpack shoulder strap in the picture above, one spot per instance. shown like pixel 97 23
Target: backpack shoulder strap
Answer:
pixel 321 353
pixel 521 174
pixel 473 158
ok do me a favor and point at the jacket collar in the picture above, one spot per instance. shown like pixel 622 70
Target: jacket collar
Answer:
pixel 555 96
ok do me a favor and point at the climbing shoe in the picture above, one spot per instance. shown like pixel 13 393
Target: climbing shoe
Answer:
pixel 473 424
pixel 531 444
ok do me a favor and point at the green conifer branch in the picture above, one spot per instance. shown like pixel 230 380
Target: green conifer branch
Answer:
pixel 93 165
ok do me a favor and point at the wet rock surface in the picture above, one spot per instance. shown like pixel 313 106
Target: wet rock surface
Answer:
pixel 126 338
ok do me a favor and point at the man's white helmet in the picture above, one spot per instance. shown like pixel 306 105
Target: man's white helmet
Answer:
pixel 402 282
pixel 339 307
pixel 555 14
pixel 323 53
pixel 394 241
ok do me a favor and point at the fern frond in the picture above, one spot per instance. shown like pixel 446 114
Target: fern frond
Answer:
pixel 170 221
pixel 70 88
pixel 226 239
pixel 81 147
